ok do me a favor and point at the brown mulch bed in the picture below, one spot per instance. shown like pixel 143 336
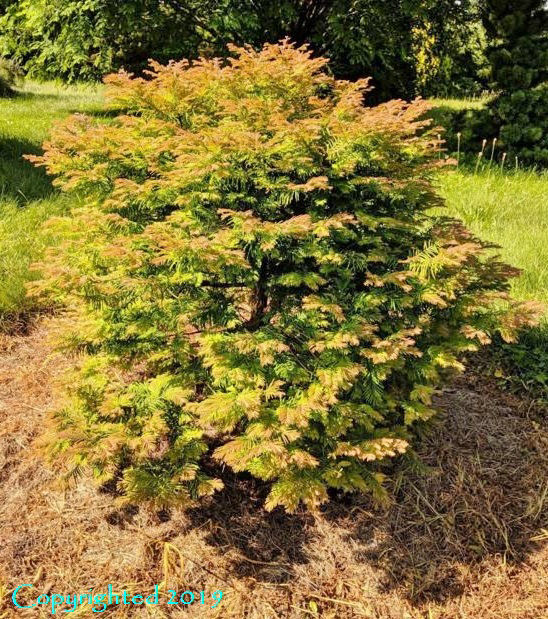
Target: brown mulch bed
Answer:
pixel 468 539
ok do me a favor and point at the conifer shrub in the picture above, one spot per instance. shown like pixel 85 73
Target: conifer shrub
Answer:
pixel 255 278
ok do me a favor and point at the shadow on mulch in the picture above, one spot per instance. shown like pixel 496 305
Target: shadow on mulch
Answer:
pixel 483 496
pixel 236 519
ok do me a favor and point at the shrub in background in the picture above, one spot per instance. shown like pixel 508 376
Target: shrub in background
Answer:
pixel 9 74
pixel 256 275
pixel 519 65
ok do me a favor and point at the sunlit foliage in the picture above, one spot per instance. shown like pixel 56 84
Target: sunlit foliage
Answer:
pixel 256 278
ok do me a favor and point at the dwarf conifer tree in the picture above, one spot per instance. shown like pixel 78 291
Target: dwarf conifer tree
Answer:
pixel 255 276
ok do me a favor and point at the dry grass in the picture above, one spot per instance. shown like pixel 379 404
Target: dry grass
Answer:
pixel 465 541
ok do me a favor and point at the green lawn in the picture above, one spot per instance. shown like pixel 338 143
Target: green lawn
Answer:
pixel 27 196
pixel 510 209
pixel 470 103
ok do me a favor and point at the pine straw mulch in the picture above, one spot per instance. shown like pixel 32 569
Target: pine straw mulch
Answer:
pixel 468 540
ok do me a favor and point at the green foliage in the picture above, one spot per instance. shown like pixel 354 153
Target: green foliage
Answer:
pixel 519 61
pixel 84 39
pixel 9 73
pixel 448 48
pixel 255 276
pixel 522 366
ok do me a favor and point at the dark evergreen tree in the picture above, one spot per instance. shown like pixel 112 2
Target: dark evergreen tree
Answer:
pixel 519 61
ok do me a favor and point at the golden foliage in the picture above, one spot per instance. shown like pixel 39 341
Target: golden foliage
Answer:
pixel 254 261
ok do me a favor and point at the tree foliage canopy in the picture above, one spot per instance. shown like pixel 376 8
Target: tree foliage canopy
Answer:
pixel 407 46
pixel 255 276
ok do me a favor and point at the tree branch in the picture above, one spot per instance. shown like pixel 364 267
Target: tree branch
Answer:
pixel 210 284
pixel 260 299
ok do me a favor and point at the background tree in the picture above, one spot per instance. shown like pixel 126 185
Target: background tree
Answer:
pixel 406 46
pixel 519 65
pixel 84 39
pixel 448 45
